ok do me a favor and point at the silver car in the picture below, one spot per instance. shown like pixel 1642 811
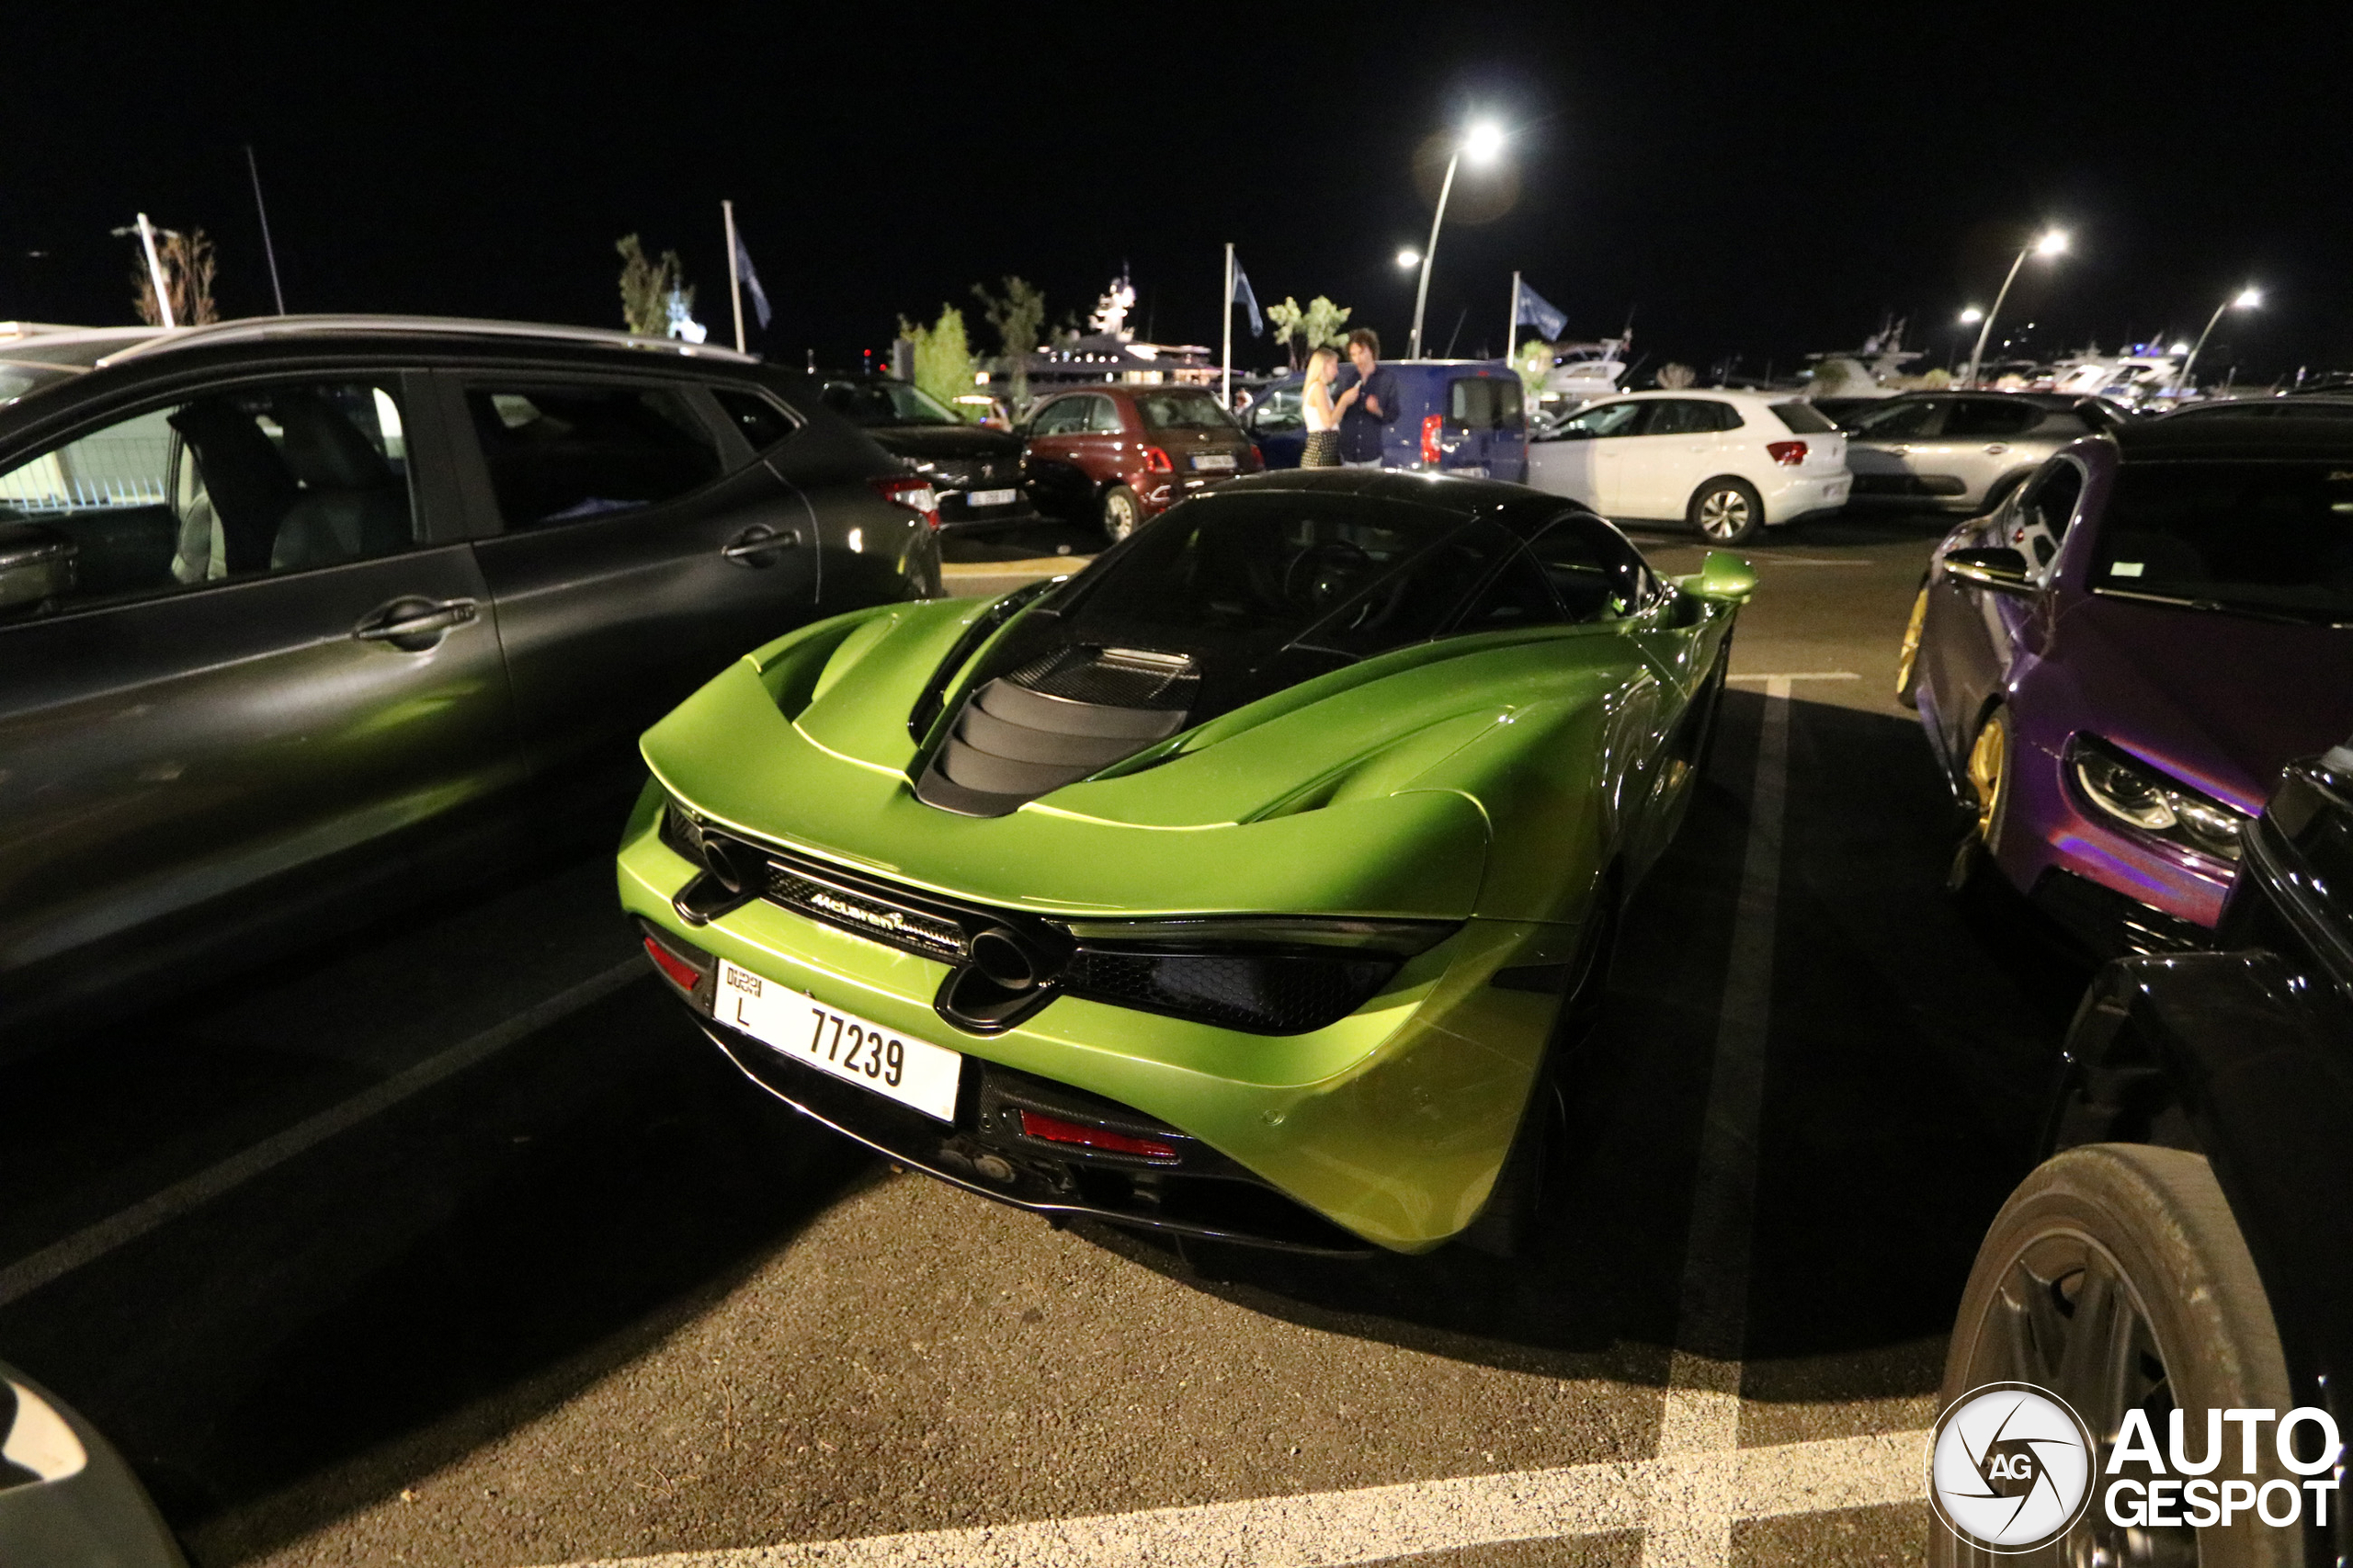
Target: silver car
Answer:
pixel 1960 451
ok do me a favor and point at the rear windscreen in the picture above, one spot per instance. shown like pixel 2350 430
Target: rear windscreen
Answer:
pixel 2255 536
pixel 1800 420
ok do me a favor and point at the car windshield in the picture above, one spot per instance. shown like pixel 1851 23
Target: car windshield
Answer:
pixel 1269 567
pixel 2271 537
pixel 1182 411
pixel 873 404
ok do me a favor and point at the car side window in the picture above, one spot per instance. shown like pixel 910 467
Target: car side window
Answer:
pixel 763 424
pixel 1682 417
pixel 1606 419
pixel 1278 411
pixel 1990 416
pixel 2045 510
pixel 1900 420
pixel 233 484
pixel 560 454
pixel 1593 572
pixel 1103 418
pixel 1518 596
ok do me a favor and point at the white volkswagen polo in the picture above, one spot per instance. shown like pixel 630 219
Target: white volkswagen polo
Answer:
pixel 1727 462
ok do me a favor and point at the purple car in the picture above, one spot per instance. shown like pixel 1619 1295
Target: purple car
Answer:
pixel 2114 665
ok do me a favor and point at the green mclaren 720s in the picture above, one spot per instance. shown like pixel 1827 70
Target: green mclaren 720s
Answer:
pixel 1253 884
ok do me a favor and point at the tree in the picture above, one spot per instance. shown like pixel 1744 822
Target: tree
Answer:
pixel 646 288
pixel 1302 331
pixel 1533 360
pixel 187 264
pixel 1017 316
pixel 943 364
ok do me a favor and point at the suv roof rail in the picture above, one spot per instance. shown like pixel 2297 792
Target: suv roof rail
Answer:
pixel 252 327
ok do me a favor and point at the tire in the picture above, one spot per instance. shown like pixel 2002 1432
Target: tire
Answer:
pixel 1989 782
pixel 1727 511
pixel 1123 513
pixel 2135 1248
pixel 1907 657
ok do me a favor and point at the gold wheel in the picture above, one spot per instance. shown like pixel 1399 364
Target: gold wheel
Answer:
pixel 1988 769
pixel 1910 657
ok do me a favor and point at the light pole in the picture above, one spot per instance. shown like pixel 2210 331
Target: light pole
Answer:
pixel 1970 316
pixel 1482 142
pixel 2051 242
pixel 2246 298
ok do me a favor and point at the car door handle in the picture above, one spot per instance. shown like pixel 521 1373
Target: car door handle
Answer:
pixel 1901 451
pixel 1997 449
pixel 416 624
pixel 755 545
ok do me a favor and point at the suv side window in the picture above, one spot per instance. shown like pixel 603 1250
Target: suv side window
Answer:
pixel 763 424
pixel 1902 420
pixel 559 454
pixel 1992 416
pixel 233 484
pixel 1102 416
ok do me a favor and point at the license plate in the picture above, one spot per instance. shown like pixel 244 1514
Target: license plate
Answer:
pixel 912 1072
pixel 1214 460
pixel 990 497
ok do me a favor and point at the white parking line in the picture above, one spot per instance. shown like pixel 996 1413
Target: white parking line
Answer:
pixel 1324 1529
pixel 1813 674
pixel 1702 1410
pixel 54 1261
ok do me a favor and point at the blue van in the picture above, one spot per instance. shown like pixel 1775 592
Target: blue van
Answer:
pixel 1460 416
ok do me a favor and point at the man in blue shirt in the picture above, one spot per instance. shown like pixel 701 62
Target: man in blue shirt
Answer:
pixel 1366 403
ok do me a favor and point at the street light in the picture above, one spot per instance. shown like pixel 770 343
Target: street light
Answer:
pixel 1972 316
pixel 2050 242
pixel 1482 142
pixel 1408 258
pixel 2246 298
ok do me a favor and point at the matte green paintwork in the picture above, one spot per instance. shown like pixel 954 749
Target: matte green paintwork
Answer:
pixel 1493 779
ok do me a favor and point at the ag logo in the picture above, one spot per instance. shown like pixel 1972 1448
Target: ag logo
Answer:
pixel 2009 1468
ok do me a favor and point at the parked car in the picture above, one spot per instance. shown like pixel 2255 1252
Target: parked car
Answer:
pixel 975 470
pixel 67 1499
pixel 1121 453
pixel 284 603
pixel 1844 411
pixel 1729 464
pixel 1960 451
pixel 2113 666
pixel 1458 417
pixel 2188 1244
pixel 1202 891
pixel 2287 406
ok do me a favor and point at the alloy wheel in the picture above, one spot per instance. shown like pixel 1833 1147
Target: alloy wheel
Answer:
pixel 1909 657
pixel 1724 515
pixel 1989 772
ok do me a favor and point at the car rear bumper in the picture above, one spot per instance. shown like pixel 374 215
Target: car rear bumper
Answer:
pixel 955 517
pixel 1800 494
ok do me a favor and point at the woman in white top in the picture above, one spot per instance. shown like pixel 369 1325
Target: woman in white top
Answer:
pixel 1322 449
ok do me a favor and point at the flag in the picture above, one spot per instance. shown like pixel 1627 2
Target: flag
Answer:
pixel 1532 311
pixel 1243 296
pixel 752 281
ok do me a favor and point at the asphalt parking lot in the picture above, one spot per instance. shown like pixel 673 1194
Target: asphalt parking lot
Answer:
pixel 454 1244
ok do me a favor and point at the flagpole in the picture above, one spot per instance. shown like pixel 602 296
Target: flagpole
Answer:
pixel 1227 395
pixel 734 283
pixel 1511 333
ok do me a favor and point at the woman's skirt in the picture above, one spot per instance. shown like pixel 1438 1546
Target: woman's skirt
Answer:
pixel 1322 449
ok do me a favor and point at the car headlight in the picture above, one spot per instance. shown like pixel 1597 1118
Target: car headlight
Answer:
pixel 2129 790
pixel 1260 976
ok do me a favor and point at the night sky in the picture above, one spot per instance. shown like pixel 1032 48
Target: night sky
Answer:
pixel 1758 180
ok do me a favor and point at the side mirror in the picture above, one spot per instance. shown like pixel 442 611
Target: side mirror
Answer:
pixel 2003 570
pixel 1723 578
pixel 36 564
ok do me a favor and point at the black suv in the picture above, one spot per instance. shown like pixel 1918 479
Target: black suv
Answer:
pixel 283 599
pixel 2189 1247
pixel 975 471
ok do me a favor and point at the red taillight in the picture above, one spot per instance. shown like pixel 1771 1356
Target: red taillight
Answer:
pixel 1789 454
pixel 1431 424
pixel 1252 459
pixel 1156 461
pixel 1054 1130
pixel 679 973
pixel 913 492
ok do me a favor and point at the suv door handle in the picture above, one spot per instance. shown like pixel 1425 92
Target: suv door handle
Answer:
pixel 414 624
pixel 1997 449
pixel 756 545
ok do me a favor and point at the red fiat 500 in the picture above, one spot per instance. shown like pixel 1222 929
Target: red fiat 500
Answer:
pixel 1126 453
